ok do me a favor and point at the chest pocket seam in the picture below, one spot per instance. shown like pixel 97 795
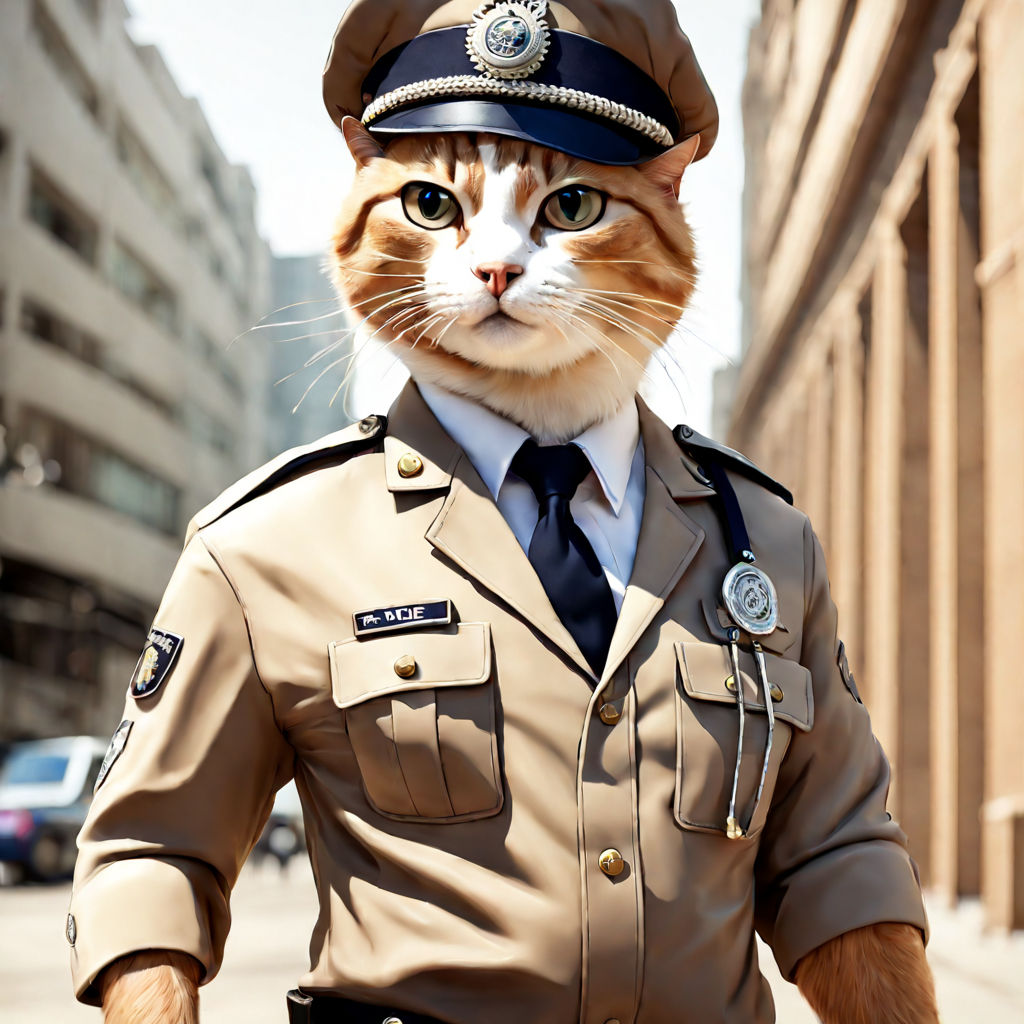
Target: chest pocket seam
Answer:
pixel 707 725
pixel 426 745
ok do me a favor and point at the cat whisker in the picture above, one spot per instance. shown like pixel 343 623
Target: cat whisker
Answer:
pixel 678 271
pixel 396 257
pixel 286 323
pixel 348 356
pixel 659 352
pixel 631 295
pixel 314 334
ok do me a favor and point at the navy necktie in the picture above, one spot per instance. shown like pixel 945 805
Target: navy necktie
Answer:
pixel 559 551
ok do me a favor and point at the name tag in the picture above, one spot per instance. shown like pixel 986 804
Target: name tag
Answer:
pixel 402 616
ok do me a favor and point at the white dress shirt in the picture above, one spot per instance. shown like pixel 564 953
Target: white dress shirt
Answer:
pixel 608 504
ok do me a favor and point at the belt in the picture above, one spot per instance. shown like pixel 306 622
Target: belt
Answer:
pixel 307 1009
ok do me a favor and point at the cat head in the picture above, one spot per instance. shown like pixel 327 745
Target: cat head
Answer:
pixel 534 282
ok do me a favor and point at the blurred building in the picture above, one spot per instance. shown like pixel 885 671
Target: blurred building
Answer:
pixel 129 259
pixel 882 380
pixel 313 340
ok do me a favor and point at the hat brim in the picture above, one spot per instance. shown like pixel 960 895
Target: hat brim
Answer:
pixel 568 131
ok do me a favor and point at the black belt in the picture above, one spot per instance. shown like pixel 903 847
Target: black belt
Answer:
pixel 307 1009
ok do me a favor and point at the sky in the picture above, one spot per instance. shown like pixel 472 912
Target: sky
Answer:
pixel 255 66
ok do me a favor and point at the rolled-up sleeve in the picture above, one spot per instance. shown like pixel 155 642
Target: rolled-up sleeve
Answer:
pixel 183 804
pixel 831 858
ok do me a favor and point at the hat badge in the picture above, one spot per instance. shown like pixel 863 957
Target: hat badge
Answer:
pixel 508 39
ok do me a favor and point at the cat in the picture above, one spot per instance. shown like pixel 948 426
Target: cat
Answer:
pixel 435 232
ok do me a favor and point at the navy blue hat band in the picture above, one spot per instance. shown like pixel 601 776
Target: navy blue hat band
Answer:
pixel 590 90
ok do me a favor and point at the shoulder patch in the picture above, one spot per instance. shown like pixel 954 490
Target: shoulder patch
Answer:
pixel 699 447
pixel 155 662
pixel 352 440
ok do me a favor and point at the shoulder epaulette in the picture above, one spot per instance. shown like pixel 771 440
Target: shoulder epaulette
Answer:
pixel 701 448
pixel 342 444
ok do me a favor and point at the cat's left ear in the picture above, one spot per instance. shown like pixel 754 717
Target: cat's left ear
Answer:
pixel 666 169
pixel 361 144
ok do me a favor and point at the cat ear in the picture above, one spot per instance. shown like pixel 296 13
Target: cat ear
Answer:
pixel 361 144
pixel 666 169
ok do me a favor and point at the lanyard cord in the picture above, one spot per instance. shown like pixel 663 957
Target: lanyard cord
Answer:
pixel 736 538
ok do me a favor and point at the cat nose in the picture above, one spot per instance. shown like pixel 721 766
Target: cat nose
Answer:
pixel 497 276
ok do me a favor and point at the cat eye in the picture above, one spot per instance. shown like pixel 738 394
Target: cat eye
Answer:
pixel 575 208
pixel 429 206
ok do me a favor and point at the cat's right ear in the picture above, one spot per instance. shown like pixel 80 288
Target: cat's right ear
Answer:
pixel 361 144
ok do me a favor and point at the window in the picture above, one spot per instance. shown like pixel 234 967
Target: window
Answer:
pixel 91 9
pixel 216 357
pixel 58 215
pixel 63 59
pixel 144 172
pixel 43 324
pixel 91 470
pixel 208 430
pixel 141 285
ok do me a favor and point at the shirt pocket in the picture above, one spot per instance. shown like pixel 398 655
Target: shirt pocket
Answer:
pixel 420 715
pixel 707 734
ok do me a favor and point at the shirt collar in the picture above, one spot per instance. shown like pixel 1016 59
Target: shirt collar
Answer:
pixel 491 441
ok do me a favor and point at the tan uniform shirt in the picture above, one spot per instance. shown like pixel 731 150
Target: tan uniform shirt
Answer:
pixel 457 817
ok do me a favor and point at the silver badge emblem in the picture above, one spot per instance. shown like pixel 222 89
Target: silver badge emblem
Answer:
pixel 508 40
pixel 750 599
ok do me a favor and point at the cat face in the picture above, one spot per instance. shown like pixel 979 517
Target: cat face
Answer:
pixel 534 282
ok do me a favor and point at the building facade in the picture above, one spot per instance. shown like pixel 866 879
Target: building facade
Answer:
pixel 310 354
pixel 129 259
pixel 882 377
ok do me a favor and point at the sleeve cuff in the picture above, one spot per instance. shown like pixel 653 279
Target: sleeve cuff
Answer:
pixel 879 884
pixel 144 903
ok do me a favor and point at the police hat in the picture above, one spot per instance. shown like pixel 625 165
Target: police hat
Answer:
pixel 612 81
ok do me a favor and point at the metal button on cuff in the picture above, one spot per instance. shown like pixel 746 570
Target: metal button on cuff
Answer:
pixel 405 666
pixel 410 465
pixel 611 863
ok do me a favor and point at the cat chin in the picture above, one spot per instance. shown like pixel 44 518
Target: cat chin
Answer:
pixel 505 344
pixel 557 406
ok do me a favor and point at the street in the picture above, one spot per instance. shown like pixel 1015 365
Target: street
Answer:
pixel 980 977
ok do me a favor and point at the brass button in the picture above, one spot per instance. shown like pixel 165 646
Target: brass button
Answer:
pixel 610 714
pixel 405 666
pixel 612 863
pixel 410 465
pixel 776 691
pixel 730 684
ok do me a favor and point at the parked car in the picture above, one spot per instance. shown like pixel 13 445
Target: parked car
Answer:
pixel 283 835
pixel 45 791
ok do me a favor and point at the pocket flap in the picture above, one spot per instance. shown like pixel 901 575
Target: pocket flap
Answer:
pixel 364 669
pixel 704 669
pixel 717 618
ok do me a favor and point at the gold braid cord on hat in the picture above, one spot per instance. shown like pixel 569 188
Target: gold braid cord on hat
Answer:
pixel 473 85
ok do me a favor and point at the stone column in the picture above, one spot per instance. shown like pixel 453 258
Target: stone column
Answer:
pixel 1001 278
pixel 845 533
pixel 897 606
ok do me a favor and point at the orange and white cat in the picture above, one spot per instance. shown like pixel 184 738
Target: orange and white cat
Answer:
pixel 538 285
